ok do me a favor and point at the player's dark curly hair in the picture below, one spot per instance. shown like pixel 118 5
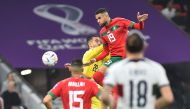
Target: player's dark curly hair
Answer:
pixel 134 43
pixel 101 10
pixel 76 63
pixel 89 38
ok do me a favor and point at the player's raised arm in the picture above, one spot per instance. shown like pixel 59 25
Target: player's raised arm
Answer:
pixel 139 25
pixel 133 25
pixel 142 18
pixel 103 54
pixel 89 55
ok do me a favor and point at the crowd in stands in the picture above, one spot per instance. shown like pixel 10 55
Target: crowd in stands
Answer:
pixel 177 11
pixel 10 93
pixel 178 75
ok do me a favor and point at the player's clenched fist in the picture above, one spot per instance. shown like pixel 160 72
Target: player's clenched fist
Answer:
pixel 142 17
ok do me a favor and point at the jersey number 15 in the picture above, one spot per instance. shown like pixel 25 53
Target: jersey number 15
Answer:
pixel 73 97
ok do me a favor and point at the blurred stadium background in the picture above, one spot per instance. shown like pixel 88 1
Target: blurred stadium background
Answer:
pixel 31 27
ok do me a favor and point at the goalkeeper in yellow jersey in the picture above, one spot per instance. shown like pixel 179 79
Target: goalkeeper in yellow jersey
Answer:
pixel 95 48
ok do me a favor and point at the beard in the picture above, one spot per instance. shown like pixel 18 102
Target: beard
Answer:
pixel 103 24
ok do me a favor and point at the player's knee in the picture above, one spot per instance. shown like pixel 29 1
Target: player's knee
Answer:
pixel 98 77
pixel 102 69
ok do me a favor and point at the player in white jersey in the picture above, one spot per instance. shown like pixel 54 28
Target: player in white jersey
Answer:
pixel 135 78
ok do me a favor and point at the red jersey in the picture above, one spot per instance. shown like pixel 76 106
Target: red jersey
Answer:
pixel 76 93
pixel 114 37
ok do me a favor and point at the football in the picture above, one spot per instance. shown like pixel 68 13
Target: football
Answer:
pixel 49 58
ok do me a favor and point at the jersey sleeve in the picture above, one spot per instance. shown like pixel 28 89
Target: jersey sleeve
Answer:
pixel 55 91
pixel 95 90
pixel 103 41
pixel 103 54
pixel 106 58
pixel 89 55
pixel 133 25
pixel 86 70
pixel 105 51
pixel 110 76
pixel 92 53
pixel 162 79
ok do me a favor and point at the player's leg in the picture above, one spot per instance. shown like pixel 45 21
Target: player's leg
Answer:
pixel 99 75
pixel 115 97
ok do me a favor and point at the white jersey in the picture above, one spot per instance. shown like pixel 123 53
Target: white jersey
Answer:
pixel 136 80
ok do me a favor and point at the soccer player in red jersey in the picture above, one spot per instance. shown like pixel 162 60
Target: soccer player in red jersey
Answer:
pixel 113 34
pixel 75 92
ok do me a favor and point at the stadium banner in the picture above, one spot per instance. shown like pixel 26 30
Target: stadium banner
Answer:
pixel 29 28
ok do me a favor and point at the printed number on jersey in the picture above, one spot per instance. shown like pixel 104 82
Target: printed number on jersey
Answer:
pixel 108 62
pixel 139 90
pixel 73 98
pixel 111 37
pixel 95 68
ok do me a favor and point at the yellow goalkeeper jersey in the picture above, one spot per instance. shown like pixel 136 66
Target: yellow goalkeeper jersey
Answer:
pixel 92 53
pixel 90 70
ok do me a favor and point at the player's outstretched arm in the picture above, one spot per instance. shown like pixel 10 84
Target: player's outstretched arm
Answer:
pixel 139 25
pixel 103 54
pixel 91 54
pixel 141 19
pixel 47 101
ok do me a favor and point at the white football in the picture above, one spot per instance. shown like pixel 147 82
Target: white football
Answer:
pixel 49 58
